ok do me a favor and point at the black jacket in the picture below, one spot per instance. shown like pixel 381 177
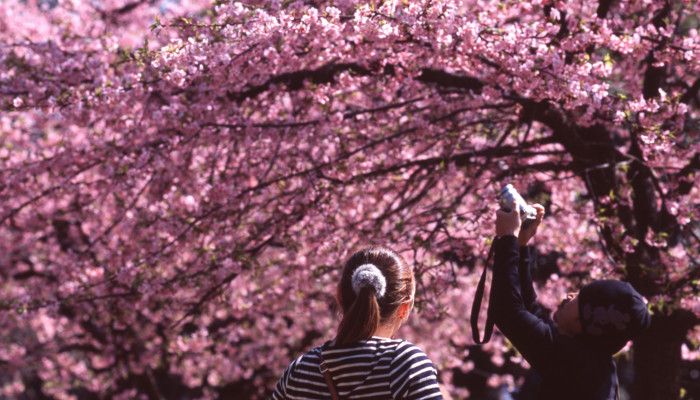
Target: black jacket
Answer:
pixel 569 368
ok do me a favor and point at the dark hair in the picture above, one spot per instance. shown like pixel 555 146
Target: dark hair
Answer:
pixel 362 312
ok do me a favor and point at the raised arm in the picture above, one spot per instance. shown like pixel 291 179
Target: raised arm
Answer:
pixel 532 336
pixel 527 289
pixel 526 255
pixel 524 271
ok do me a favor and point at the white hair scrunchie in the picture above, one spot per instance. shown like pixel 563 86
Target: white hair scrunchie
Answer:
pixel 369 275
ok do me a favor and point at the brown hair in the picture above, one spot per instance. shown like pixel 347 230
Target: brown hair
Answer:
pixel 362 312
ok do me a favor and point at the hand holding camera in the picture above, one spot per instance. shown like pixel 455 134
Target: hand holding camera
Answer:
pixel 508 223
pixel 529 230
pixel 516 217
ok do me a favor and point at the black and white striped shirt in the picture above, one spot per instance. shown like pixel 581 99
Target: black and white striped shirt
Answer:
pixel 376 368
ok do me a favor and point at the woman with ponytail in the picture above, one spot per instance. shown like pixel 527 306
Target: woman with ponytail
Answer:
pixel 365 361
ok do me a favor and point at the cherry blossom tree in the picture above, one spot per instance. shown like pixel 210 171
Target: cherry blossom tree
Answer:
pixel 181 182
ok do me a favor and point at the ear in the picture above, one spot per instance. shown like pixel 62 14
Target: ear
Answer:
pixel 404 310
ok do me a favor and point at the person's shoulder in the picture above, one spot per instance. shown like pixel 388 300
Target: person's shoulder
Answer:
pixel 312 356
pixel 404 345
pixel 302 368
pixel 413 371
pixel 407 352
pixel 308 360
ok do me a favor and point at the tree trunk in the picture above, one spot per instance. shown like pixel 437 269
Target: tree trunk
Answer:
pixel 657 356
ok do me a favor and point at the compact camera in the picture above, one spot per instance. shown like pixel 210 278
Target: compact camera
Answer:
pixel 509 198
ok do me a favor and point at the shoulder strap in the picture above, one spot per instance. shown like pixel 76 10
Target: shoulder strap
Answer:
pixel 617 384
pixel 329 378
pixel 476 305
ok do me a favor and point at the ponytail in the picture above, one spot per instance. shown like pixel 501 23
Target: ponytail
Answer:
pixel 361 320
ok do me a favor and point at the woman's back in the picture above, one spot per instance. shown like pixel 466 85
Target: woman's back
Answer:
pixel 376 368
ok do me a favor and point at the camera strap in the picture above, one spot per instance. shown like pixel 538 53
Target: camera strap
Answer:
pixel 476 305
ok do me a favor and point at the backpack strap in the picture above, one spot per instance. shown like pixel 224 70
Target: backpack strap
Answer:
pixel 328 377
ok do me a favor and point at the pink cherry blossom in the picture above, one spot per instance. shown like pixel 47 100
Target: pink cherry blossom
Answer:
pixel 181 181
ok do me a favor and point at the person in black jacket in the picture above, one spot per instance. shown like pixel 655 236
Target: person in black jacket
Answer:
pixel 573 352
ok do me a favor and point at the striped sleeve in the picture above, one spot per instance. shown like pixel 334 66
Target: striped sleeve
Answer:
pixel 280 392
pixel 413 375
